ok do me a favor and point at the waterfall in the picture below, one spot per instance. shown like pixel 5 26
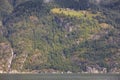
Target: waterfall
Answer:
pixel 10 60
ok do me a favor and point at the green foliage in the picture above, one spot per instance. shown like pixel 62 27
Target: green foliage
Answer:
pixel 5 8
pixel 45 37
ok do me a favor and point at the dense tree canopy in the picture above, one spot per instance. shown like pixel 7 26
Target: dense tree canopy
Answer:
pixel 64 35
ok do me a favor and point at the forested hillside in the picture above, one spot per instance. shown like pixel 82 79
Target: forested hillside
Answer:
pixel 60 36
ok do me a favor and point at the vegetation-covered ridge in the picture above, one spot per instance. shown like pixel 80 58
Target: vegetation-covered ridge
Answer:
pixel 59 36
pixel 73 13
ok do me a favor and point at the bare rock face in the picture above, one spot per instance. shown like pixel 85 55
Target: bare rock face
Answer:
pixel 96 69
pixel 47 1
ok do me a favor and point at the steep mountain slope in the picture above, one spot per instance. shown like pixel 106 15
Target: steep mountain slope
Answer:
pixel 43 36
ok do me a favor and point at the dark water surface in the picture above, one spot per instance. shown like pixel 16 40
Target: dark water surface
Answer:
pixel 59 76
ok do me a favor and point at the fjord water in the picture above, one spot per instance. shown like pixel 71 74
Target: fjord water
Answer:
pixel 59 76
